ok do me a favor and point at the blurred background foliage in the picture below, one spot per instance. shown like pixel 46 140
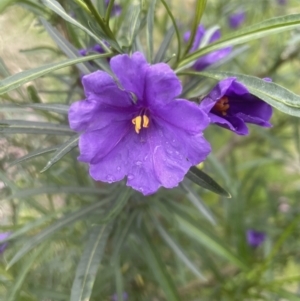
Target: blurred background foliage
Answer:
pixel 75 239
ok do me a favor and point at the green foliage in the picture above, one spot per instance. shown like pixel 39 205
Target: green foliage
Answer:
pixel 76 239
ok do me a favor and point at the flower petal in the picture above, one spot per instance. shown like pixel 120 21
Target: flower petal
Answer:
pixel 130 72
pixel 183 114
pixel 251 109
pixel 232 123
pixel 162 85
pixel 101 87
pixel 80 113
pixel 95 145
pixel 211 58
pixel 174 152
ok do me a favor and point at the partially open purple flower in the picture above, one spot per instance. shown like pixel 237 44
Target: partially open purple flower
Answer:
pixel 212 57
pixel 3 246
pixel 237 19
pixel 230 105
pixel 255 238
pixel 114 297
pixel 96 48
pixel 136 127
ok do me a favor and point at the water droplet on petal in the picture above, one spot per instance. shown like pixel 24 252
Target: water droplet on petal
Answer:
pixel 110 178
pixel 141 189
pixel 118 168
pixel 138 163
pixel 145 158
pixel 130 176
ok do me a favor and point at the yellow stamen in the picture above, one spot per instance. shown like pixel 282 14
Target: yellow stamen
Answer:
pixel 145 121
pixel 137 121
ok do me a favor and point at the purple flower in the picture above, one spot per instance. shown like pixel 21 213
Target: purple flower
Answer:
pixel 116 10
pixel 114 297
pixel 212 57
pixel 255 238
pixel 230 105
pixel 282 2
pixel 96 48
pixel 136 127
pixel 237 19
pixel 3 236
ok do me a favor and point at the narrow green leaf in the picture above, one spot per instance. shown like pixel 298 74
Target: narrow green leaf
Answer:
pixel 57 8
pixel 202 179
pixel 275 95
pixel 53 107
pixel 56 226
pixel 26 193
pixel 65 46
pixel 158 268
pixel 62 151
pixel 198 203
pixel 161 53
pixel 33 127
pixel 24 77
pixel 208 241
pixel 286 295
pixel 22 273
pixel 254 32
pixel 149 31
pixel 134 24
pixel 34 154
pixel 87 268
pixel 199 10
pixel 178 54
pixel 177 249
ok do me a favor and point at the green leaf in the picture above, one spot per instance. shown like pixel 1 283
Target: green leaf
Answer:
pixel 87 268
pixel 33 154
pixel 61 151
pixel 24 77
pixel 158 268
pixel 208 241
pixel 177 250
pixel 134 24
pixel 160 55
pixel 56 226
pixel 275 95
pixel 286 295
pixel 178 54
pixel 199 10
pixel 65 46
pixel 202 179
pixel 33 127
pixel 22 273
pixel 53 107
pixel 149 31
pixel 26 193
pixel 195 199
pixel 57 8
pixel 254 32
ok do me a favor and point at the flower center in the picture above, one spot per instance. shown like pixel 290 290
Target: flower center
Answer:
pixel 140 121
pixel 222 105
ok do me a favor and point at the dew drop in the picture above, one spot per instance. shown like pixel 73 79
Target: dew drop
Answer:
pixel 118 168
pixel 141 189
pixel 130 176
pixel 110 178
pixel 138 163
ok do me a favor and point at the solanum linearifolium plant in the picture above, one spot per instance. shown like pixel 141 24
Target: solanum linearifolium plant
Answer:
pixel 146 110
